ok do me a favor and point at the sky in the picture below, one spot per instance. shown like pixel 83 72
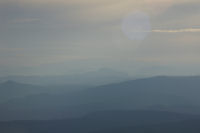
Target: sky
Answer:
pixel 56 37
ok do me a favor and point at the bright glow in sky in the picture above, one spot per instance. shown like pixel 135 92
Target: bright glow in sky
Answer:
pixel 136 25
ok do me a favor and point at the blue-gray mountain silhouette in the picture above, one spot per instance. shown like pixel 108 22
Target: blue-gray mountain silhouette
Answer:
pixel 179 94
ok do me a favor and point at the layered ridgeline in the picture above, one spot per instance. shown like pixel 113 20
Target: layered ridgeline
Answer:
pixel 177 94
pixel 110 122
pixel 11 89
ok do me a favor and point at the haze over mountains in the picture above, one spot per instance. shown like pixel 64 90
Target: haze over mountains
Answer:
pixel 99 66
pixel 94 78
pixel 177 94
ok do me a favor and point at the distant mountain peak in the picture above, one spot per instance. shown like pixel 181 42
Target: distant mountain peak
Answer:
pixel 8 82
pixel 11 83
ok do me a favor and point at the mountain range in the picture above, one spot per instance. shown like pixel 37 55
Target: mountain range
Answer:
pixel 176 94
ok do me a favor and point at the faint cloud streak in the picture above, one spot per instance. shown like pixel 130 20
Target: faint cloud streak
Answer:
pixel 177 30
pixel 185 30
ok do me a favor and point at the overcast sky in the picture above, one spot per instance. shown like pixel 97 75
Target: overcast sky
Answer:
pixel 47 37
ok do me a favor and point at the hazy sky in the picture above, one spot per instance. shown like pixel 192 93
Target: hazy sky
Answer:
pixel 68 36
